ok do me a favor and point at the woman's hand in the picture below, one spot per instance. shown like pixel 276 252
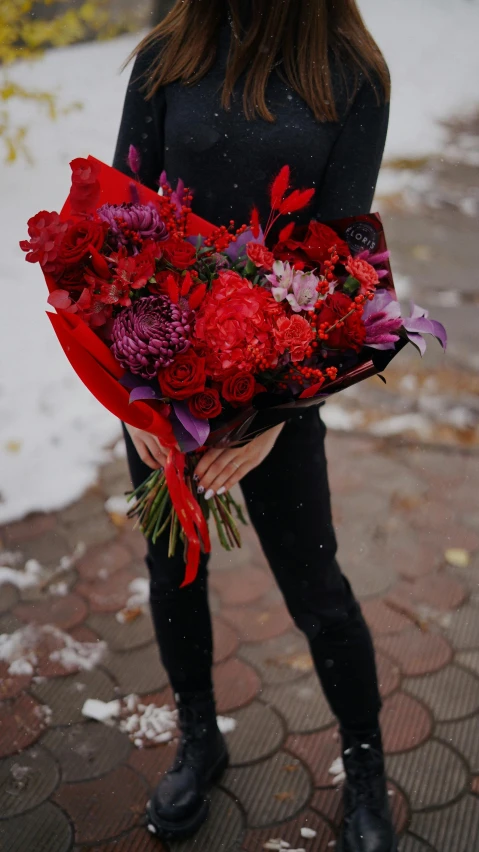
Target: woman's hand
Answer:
pixel 219 470
pixel 148 447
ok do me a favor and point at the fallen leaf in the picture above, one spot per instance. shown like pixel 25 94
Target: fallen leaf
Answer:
pixel 458 557
pixel 13 446
pixel 124 616
pixel 283 797
pixel 290 767
pixel 302 662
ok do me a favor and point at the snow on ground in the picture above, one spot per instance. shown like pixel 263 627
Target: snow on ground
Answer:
pixel 52 432
pixel 430 47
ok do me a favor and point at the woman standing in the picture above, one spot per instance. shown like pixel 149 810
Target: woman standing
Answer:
pixel 224 93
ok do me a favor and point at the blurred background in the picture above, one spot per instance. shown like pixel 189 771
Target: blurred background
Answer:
pixel 403 462
pixel 61 95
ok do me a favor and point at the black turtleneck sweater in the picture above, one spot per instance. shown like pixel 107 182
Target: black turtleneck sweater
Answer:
pixel 229 162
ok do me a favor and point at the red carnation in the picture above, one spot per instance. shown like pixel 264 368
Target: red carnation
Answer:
pixel 78 238
pixel 239 388
pixel 293 334
pixel 351 334
pixel 260 255
pixel 184 377
pixel 235 326
pixel 46 233
pixel 179 253
pixel 85 188
pixel 363 272
pixel 206 404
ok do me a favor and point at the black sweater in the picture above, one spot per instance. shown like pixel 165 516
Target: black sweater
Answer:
pixel 229 162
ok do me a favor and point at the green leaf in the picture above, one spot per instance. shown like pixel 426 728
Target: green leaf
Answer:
pixel 351 285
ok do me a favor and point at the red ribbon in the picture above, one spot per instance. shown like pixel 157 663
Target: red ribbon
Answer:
pixel 190 516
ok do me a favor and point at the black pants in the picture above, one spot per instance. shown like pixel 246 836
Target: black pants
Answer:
pixel 289 505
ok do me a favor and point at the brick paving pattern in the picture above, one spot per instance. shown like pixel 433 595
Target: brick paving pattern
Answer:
pixel 68 783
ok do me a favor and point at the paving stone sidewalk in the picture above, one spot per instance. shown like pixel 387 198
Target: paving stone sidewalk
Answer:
pixel 409 540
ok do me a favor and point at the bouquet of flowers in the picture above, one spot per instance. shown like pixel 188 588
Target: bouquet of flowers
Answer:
pixel 207 335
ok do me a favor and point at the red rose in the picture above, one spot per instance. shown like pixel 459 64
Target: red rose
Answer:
pixel 184 377
pixel 293 334
pixel 310 245
pixel 363 272
pixel 238 389
pixel 179 253
pixel 260 255
pixel 319 239
pixel 352 333
pixel 85 188
pixel 79 236
pixel 72 279
pixel 206 404
pixel 291 251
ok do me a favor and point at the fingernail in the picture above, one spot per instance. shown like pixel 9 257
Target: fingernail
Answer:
pixel 200 489
pixel 196 477
pixel 209 494
pixel 221 490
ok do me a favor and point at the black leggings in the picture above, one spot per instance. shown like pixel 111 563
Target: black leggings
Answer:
pixel 289 505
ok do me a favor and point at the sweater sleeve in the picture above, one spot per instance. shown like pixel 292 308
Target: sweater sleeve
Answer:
pixel 142 126
pixel 353 166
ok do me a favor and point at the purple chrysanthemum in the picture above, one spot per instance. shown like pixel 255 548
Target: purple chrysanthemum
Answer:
pixel 148 335
pixel 142 218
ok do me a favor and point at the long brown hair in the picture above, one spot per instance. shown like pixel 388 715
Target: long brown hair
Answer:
pixel 302 33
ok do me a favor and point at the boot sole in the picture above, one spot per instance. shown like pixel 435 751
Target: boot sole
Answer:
pixel 394 847
pixel 167 830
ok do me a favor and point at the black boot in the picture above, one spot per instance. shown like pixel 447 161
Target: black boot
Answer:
pixel 367 825
pixel 179 804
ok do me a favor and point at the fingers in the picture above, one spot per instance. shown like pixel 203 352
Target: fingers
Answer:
pixel 229 476
pixel 224 468
pixel 205 463
pixel 146 456
pixel 156 450
pixel 233 480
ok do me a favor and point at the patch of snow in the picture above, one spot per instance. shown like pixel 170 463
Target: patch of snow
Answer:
pixel 59 589
pixel 403 286
pixel 400 423
pixel 101 711
pixel 117 505
pixel 21 579
pixel 151 828
pixel 226 724
pixel 148 724
pixel 119 450
pixel 429 84
pixel 10 558
pixel 140 592
pixel 19 649
pixel 308 833
pixel 337 417
pixel 337 771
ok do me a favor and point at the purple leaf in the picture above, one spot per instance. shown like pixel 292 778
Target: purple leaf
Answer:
pixel 234 249
pixel 198 429
pixel 417 341
pixel 144 392
pixel 419 323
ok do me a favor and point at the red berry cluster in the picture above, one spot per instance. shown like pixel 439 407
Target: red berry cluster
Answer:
pixel 221 237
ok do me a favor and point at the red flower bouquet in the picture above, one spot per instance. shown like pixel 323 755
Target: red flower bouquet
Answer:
pixel 205 336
